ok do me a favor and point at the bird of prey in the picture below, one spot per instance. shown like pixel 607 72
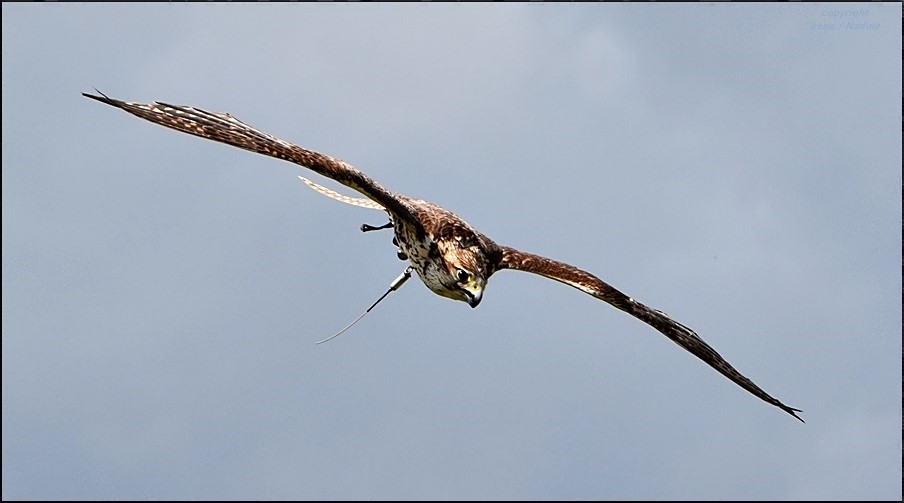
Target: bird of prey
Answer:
pixel 451 257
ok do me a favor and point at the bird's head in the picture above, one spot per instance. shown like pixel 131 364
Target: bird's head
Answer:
pixel 467 261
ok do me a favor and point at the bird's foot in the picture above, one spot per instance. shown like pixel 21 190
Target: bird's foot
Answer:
pixel 367 228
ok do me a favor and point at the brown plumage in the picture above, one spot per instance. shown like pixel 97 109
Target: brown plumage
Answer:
pixel 451 257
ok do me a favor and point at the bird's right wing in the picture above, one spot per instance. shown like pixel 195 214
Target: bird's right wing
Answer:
pixel 225 128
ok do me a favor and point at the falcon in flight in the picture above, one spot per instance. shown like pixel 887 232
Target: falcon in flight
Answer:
pixel 452 258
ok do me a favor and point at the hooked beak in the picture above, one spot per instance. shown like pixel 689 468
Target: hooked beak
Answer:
pixel 474 297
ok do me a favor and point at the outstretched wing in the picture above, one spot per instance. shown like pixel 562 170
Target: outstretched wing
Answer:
pixel 678 333
pixel 225 128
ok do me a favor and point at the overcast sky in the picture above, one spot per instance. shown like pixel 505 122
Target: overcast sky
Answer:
pixel 737 166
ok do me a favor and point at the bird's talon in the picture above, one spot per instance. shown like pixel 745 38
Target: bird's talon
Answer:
pixel 367 227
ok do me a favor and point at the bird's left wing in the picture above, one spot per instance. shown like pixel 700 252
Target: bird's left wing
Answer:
pixel 678 333
pixel 225 128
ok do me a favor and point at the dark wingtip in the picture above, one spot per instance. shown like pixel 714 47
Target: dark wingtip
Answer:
pixel 103 98
pixel 793 412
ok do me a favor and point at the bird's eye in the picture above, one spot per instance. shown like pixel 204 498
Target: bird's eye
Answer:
pixel 463 275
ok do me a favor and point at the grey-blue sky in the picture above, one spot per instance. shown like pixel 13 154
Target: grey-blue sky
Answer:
pixel 737 166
